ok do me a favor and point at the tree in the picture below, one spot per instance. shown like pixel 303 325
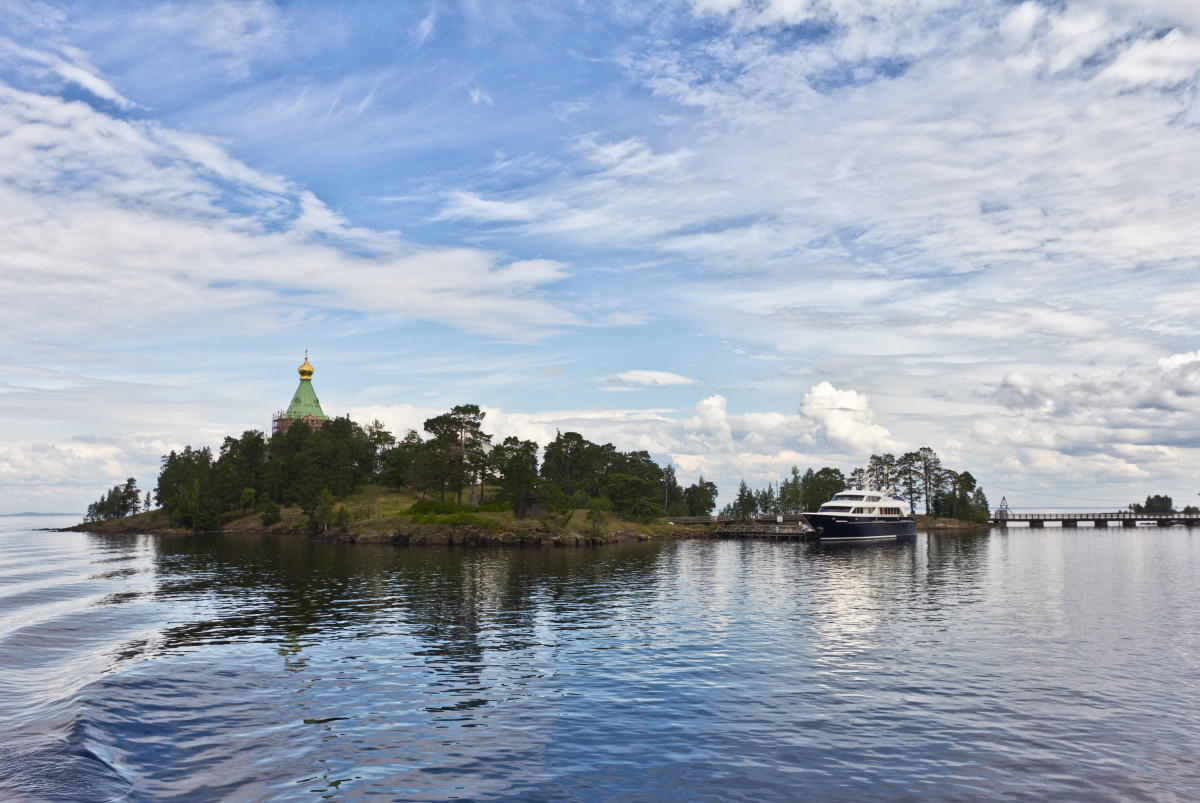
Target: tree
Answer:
pixel 858 478
pixel 571 461
pixel 309 495
pixel 744 504
pixel 673 504
pixel 559 506
pixel 700 497
pixel 881 473
pixel 239 465
pixel 208 517
pixel 397 460
pixel 470 440
pixel 597 506
pixel 271 513
pixel 791 493
pixel 818 487
pixel 458 440
pixel 909 479
pixel 248 495
pixel 183 482
pixel 324 512
pixel 634 497
pixel 1154 504
pixel 765 501
pixel 980 510
pixel 515 462
pixel 929 467
pixel 381 441
pixel 952 482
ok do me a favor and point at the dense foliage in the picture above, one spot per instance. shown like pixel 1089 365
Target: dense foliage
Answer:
pixel 315 468
pixel 294 467
pixel 916 476
pixel 573 474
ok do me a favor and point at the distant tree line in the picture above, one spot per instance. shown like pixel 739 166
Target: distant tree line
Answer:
pixel 1160 504
pixel 315 468
pixel 916 476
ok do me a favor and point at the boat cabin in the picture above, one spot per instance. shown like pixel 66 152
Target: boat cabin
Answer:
pixel 865 503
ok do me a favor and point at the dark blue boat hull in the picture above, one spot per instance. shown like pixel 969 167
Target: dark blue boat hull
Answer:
pixel 832 527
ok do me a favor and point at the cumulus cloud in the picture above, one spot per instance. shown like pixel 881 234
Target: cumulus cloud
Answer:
pixel 846 418
pixel 1142 421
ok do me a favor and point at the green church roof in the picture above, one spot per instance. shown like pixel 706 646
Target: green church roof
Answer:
pixel 305 402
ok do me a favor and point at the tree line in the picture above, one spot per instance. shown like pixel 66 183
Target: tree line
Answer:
pixel 1160 504
pixel 313 468
pixel 916 476
pixel 573 472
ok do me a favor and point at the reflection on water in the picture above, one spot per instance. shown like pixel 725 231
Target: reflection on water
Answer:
pixel 981 665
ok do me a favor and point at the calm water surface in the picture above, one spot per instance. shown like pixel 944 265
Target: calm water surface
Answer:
pixel 1019 664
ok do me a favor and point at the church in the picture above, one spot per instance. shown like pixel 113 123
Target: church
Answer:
pixel 304 407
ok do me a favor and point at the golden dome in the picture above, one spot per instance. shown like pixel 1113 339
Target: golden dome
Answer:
pixel 306 370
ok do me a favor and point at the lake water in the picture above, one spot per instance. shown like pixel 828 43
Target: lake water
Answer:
pixel 1020 664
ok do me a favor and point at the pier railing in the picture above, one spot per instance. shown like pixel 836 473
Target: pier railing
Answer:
pixel 1127 518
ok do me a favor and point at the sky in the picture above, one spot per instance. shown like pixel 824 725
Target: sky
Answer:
pixel 739 235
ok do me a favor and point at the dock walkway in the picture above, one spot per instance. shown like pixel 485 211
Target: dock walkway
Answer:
pixel 1003 518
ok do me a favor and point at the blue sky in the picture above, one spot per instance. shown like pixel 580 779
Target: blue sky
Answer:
pixel 741 236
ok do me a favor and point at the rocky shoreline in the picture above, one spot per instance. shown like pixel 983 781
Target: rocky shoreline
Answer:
pixel 532 534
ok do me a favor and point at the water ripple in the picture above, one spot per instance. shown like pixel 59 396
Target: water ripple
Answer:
pixel 1056 665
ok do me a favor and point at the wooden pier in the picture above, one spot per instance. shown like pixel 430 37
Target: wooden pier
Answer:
pixel 790 527
pixel 1126 518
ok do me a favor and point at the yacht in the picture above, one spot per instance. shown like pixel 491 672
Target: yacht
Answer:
pixel 862 516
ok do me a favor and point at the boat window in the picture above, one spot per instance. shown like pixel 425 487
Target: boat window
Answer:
pixel 834 509
pixel 848 497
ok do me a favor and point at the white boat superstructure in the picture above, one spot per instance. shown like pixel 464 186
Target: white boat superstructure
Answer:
pixel 862 515
pixel 866 503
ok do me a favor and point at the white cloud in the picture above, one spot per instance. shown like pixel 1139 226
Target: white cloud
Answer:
pixel 425 28
pixel 1157 61
pixel 643 378
pixel 105 219
pixel 846 418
